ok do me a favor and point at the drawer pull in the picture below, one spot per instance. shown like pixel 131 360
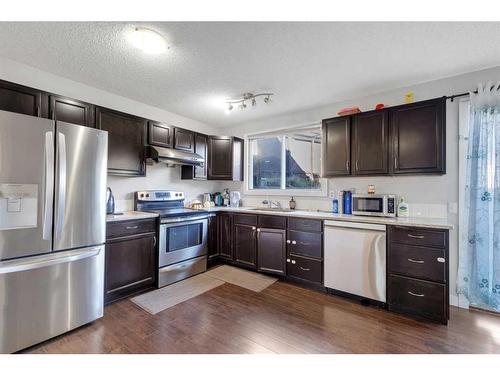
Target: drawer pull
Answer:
pixel 288 260
pixel 416 294
pixel 134 227
pixel 288 241
pixel 421 237
pixel 305 269
pixel 415 261
pixel 253 228
pixel 441 260
pixel 294 242
pixel 293 262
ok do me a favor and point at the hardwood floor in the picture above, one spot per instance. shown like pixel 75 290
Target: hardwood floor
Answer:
pixel 283 318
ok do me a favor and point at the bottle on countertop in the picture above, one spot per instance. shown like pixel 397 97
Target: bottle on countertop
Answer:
pixel 335 205
pixel 341 201
pixel 348 202
pixel 403 210
pixel 225 198
pixel 292 204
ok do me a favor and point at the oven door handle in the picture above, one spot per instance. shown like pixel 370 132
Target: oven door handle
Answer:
pixel 177 222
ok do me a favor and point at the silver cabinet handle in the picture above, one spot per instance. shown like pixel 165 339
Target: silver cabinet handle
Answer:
pixel 154 241
pixel 395 163
pixel 293 262
pixel 258 230
pixel 415 261
pixel 416 294
pixel 49 186
pixel 253 228
pixel 417 237
pixel 357 169
pixel 288 260
pixel 347 165
pixel 305 269
pixel 294 242
pixel 288 241
pixel 441 260
pixel 134 227
pixel 61 192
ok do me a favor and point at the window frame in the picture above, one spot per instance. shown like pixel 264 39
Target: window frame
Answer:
pixel 282 191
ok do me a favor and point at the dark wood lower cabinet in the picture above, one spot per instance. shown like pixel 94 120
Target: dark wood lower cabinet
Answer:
pixel 225 236
pixel 213 230
pixel 271 253
pixel 131 264
pixel 245 245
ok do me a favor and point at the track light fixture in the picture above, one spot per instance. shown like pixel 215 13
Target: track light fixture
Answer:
pixel 247 96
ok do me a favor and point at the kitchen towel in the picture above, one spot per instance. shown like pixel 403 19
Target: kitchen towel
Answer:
pixel 245 279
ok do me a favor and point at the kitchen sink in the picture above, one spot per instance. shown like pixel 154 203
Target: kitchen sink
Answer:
pixel 271 209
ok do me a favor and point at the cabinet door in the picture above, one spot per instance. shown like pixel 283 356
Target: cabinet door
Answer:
pixel 160 134
pixel 225 236
pixel 245 245
pixel 271 250
pixel 126 140
pixel 183 140
pixel 220 158
pixel 336 147
pixel 370 143
pixel 419 139
pixel 213 250
pixel 20 99
pixel 69 110
pixel 201 145
pixel 130 265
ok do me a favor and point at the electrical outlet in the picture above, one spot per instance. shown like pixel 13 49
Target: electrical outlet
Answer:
pixel 332 194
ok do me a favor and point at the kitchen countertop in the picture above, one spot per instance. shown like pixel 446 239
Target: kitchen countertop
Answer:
pixel 422 222
pixel 130 215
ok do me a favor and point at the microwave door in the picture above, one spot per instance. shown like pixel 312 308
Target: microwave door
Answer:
pixel 80 186
pixel 26 185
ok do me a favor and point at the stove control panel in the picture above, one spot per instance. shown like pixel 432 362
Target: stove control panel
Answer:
pixel 159 195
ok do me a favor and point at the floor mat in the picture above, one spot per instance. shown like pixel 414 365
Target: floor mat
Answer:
pixel 161 299
pixel 246 279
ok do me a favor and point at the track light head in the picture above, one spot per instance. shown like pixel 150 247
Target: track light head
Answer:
pixel 267 99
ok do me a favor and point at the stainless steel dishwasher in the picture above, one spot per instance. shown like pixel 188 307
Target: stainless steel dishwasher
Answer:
pixel 355 258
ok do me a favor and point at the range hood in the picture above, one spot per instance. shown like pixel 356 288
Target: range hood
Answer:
pixel 171 156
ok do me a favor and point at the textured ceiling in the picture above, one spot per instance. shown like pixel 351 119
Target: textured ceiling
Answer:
pixel 304 64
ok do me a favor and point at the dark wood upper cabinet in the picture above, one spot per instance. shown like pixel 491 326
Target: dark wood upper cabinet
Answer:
pixel 225 158
pixel 70 110
pixel 245 245
pixel 336 147
pixel 370 140
pixel 225 236
pixel 201 148
pixel 183 140
pixel 20 99
pixel 160 134
pixel 271 250
pixel 126 141
pixel 419 137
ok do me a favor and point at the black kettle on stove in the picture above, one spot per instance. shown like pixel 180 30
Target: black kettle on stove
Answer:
pixel 110 202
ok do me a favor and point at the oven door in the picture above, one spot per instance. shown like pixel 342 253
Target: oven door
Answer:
pixel 370 206
pixel 182 240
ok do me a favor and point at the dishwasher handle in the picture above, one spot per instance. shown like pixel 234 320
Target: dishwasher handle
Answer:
pixel 355 225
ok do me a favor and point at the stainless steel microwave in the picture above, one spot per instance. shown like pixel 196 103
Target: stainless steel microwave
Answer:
pixel 374 205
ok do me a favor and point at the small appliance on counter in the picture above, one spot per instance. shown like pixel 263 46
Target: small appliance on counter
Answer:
pixel 218 199
pixel 207 200
pixel 374 205
pixel 225 198
pixel 234 199
pixel 110 202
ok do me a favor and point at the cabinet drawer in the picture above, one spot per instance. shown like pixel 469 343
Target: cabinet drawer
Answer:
pixel 128 228
pixel 304 268
pixel 304 243
pixel 278 222
pixel 420 262
pixel 245 219
pixel 422 298
pixel 419 237
pixel 304 225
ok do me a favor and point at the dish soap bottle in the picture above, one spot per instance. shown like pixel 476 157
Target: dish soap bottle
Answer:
pixel 403 208
pixel 292 204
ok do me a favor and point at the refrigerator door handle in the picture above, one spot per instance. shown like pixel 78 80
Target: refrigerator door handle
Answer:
pixel 49 186
pixel 31 263
pixel 61 191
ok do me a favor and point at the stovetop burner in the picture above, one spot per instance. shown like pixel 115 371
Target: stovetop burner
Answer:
pixel 175 212
pixel 166 203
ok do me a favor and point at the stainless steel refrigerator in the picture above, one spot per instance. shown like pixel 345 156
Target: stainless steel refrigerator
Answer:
pixel 52 228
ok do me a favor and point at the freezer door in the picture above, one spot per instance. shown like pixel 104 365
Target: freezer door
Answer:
pixel 80 186
pixel 26 185
pixel 47 295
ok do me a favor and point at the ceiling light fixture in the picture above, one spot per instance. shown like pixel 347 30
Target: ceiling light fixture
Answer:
pixel 247 96
pixel 148 41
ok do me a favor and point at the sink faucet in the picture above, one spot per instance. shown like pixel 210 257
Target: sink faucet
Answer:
pixel 271 203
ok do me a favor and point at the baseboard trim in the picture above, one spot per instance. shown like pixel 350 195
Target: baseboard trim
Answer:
pixel 459 301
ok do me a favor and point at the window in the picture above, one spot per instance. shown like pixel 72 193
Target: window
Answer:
pixel 287 162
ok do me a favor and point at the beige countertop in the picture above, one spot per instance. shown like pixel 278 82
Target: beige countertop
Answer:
pixel 423 222
pixel 130 215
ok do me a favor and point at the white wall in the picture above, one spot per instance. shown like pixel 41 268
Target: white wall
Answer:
pixel 158 176
pixel 433 196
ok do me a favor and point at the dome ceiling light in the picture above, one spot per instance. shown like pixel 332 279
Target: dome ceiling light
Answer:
pixel 148 41
pixel 247 97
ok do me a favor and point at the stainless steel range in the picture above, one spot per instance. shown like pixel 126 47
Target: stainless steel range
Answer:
pixel 183 234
